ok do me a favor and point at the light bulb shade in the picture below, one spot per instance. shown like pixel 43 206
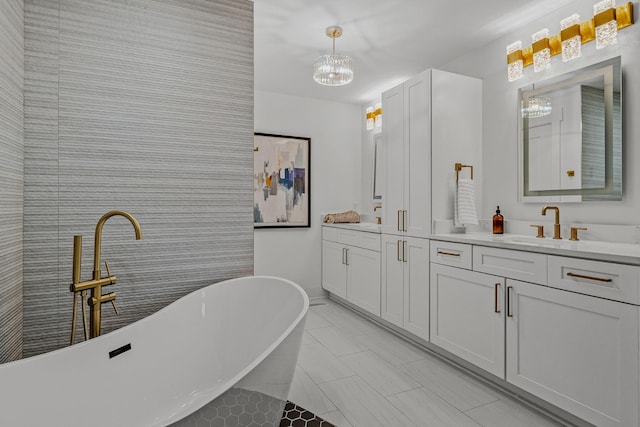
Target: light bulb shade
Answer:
pixel 604 17
pixel 541 50
pixel 537 107
pixel 378 115
pixel 514 61
pixel 370 118
pixel 571 38
pixel 333 70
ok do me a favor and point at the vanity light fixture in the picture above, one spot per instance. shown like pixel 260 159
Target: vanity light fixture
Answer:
pixel 515 61
pixel 604 20
pixel 571 38
pixel 370 118
pixel 377 115
pixel 541 50
pixel 333 69
pixel 603 27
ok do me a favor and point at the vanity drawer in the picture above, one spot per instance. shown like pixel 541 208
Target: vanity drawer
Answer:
pixel 618 282
pixel 525 266
pixel 361 239
pixel 448 253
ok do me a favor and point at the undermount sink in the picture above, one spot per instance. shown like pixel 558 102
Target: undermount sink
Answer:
pixel 516 238
pixel 564 243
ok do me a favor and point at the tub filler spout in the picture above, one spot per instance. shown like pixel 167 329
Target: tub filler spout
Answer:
pixel 96 297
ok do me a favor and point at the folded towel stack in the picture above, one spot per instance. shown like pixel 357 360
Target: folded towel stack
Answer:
pixel 349 216
pixel 465 204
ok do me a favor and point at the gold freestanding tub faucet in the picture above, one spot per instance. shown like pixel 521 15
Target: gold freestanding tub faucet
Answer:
pixel 96 298
pixel 556 225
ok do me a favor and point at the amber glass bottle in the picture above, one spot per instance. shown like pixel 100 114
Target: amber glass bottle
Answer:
pixel 498 222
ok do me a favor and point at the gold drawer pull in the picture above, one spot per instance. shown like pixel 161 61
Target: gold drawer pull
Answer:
pixel 580 276
pixel 448 253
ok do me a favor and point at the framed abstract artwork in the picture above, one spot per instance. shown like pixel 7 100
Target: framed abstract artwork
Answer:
pixel 281 181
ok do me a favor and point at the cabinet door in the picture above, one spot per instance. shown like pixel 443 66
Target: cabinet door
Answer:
pixel 417 155
pixel 392 300
pixel 416 287
pixel 363 279
pixel 577 352
pixel 393 143
pixel 467 316
pixel 334 269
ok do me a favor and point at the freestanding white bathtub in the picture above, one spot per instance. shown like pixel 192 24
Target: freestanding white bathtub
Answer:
pixel 222 355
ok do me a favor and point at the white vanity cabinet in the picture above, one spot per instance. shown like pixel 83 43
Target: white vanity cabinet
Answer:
pixel 334 268
pixel 467 316
pixel 405 283
pixel 575 351
pixel 569 327
pixel 351 266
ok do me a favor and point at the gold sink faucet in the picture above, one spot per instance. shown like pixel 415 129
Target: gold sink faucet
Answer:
pixel 556 225
pixel 96 298
pixel 378 218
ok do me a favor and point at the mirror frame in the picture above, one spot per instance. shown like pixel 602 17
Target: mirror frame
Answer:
pixel 611 70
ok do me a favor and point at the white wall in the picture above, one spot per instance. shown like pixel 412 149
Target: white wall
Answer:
pixel 500 101
pixel 335 132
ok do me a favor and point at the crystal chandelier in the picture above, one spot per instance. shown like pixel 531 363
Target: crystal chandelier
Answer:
pixel 536 106
pixel 333 69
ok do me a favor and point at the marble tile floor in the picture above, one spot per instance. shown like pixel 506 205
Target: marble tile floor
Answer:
pixel 353 373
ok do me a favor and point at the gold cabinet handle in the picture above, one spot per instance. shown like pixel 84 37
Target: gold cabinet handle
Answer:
pixel 404 251
pixel 399 229
pixel 496 306
pixel 398 251
pixel 509 313
pixel 580 276
pixel 571 172
pixel 448 253
pixel 404 220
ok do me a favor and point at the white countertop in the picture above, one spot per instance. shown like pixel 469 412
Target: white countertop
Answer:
pixel 625 253
pixel 369 227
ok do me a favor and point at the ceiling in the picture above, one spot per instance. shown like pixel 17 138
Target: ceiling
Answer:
pixel 389 40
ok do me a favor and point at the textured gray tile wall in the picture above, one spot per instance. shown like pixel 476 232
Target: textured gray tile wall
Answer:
pixel 11 178
pixel 144 106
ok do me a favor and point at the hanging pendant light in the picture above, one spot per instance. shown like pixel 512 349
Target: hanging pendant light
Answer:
pixel 536 106
pixel 333 69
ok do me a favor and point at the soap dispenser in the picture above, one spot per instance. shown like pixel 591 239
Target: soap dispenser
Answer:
pixel 498 222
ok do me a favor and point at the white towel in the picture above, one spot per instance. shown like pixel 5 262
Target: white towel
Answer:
pixel 465 204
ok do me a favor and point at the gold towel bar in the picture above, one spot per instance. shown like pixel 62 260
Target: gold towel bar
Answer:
pixel 459 167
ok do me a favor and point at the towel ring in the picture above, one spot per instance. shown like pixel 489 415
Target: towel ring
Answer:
pixel 459 167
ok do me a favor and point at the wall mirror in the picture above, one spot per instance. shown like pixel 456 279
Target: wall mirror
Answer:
pixel 377 166
pixel 571 136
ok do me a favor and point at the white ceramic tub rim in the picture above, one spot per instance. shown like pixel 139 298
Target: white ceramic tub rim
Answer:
pixel 243 373
pixel 208 394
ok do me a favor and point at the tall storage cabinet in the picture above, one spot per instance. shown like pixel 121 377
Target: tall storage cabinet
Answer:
pixel 406 136
pixel 429 123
